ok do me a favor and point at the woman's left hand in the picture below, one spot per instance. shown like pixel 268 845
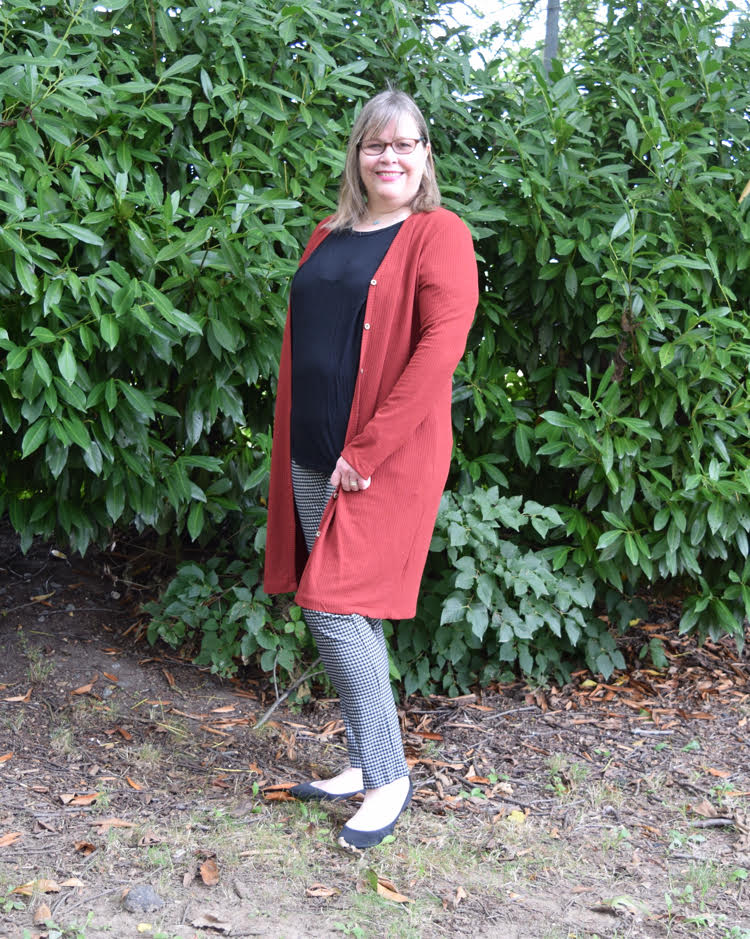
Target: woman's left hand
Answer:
pixel 347 477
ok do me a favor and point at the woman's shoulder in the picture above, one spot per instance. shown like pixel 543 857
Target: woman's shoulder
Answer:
pixel 440 219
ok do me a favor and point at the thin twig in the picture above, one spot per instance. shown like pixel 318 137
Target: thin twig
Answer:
pixel 651 733
pixel 83 900
pixel 308 674
pixel 713 823
pixel 531 707
pixel 82 609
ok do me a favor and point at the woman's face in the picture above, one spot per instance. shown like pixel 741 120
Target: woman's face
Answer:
pixel 392 180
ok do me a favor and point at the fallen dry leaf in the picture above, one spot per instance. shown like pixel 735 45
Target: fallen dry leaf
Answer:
pixel 210 872
pixel 125 734
pixel 72 882
pixel 84 689
pixel 110 676
pixel 385 888
pixel 106 823
pixel 86 798
pixel 320 890
pixel 705 809
pixel 721 773
pixel 42 596
pixel 20 698
pixel 10 838
pixel 149 837
pixel 209 921
pixel 170 678
pixel 452 900
pixel 133 783
pixel 5 757
pixel 41 886
pixel 41 915
pixel 277 795
pixel 223 710
pixel 84 847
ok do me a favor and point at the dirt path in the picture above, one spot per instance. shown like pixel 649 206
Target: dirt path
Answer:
pixel 617 810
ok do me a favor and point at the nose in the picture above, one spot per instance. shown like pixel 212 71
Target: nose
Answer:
pixel 389 146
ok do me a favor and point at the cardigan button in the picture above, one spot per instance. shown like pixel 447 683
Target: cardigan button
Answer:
pixel 373 282
pixel 317 534
pixel 367 325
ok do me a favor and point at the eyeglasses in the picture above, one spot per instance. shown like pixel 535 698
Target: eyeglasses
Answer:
pixel 400 146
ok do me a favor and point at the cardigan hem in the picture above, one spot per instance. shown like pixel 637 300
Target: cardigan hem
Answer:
pixel 310 602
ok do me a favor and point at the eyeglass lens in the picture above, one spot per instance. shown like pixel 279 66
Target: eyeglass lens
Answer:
pixel 401 146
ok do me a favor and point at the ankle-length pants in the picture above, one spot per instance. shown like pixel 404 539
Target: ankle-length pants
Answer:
pixel 355 656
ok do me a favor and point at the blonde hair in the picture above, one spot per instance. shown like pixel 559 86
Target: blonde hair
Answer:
pixel 377 113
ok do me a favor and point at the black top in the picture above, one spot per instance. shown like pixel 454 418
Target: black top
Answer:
pixel 328 297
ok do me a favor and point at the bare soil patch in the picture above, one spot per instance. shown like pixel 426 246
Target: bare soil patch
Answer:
pixel 617 809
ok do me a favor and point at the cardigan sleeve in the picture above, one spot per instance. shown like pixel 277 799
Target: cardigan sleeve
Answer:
pixel 285 547
pixel 447 295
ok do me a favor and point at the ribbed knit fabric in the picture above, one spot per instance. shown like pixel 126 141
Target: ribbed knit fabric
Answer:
pixel 372 544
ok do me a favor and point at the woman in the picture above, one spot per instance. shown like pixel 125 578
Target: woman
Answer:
pixel 379 312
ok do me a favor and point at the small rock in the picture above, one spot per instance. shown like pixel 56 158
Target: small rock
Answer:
pixel 242 890
pixel 142 899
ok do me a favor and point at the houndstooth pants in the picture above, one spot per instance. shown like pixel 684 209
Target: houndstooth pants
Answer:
pixel 355 656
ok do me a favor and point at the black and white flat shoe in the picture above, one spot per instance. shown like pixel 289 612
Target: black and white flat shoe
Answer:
pixel 307 792
pixel 354 840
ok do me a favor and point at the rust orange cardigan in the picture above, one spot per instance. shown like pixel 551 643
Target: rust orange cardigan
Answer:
pixel 372 545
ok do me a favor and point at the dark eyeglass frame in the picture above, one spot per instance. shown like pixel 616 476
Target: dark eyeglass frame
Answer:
pixel 376 147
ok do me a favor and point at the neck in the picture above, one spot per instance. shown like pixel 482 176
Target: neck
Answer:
pixel 388 215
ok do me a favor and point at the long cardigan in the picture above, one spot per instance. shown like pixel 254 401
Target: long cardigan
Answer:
pixel 372 544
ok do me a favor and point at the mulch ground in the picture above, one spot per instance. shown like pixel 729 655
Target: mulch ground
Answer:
pixel 83 698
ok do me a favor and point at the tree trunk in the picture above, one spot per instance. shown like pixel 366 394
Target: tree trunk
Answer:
pixel 552 33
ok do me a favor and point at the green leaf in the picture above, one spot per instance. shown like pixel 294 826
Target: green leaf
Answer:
pixel 42 369
pixel 16 358
pixel 34 437
pixel 139 401
pixel 621 226
pixel 115 500
pixel 185 64
pixel 223 335
pixel 453 610
pixel 66 363
pixel 26 276
pixel 195 520
pixel 478 618
pixel 110 331
pixel 715 516
pixel 79 233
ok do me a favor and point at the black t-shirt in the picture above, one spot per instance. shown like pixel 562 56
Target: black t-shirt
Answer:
pixel 328 299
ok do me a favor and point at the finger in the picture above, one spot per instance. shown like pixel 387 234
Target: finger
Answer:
pixel 365 483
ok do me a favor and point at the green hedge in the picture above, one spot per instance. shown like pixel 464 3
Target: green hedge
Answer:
pixel 160 169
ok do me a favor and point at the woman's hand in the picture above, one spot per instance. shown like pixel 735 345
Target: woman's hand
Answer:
pixel 347 477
